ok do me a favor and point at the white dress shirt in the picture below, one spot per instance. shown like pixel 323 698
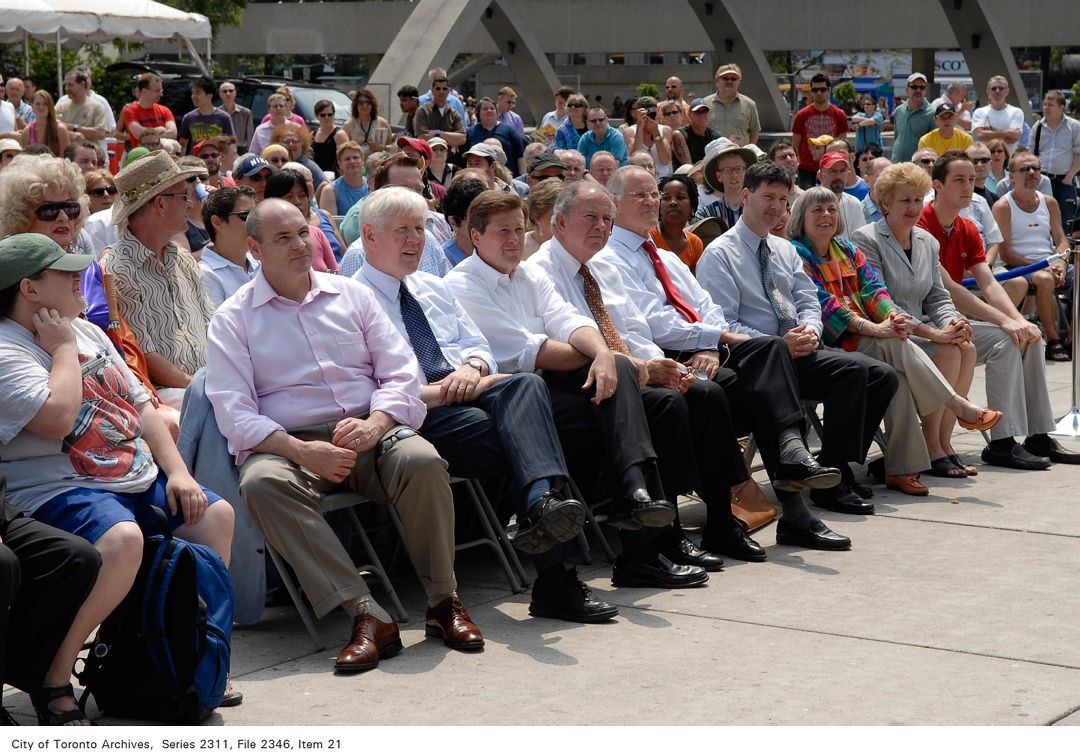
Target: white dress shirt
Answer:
pixel 670 330
pixel 517 313
pixel 730 271
pixel 223 278
pixel 564 271
pixel 458 336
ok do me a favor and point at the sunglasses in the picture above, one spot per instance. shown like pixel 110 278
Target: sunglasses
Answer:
pixel 1028 169
pixel 368 102
pixel 51 210
pixel 926 161
pixel 100 192
pixel 917 87
pixel 819 89
pixel 980 160
pixel 575 105
pixel 597 120
pixel 998 88
pixel 670 113
pixel 326 115
pixel 226 91
pixel 242 214
pixel 729 78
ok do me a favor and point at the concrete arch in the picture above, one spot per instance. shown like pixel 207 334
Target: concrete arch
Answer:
pixel 435 33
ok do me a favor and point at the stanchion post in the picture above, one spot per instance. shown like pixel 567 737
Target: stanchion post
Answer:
pixel 1069 425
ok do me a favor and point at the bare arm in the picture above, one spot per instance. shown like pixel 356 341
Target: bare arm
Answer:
pixel 164 373
pixel 559 356
pixel 1003 216
pixel 184 493
pixel 328 200
pixel 57 415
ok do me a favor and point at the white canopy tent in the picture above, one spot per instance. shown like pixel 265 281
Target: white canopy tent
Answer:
pixel 129 20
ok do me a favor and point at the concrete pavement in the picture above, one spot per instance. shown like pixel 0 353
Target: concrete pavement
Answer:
pixel 960 608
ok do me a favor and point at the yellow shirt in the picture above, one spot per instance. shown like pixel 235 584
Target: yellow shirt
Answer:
pixel 960 139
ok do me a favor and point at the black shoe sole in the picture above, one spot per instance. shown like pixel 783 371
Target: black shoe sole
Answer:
pixel 560 525
pixel 866 510
pixel 550 611
pixel 737 555
pixel 812 544
pixel 686 561
pixel 824 481
pixel 637 582
pixel 654 516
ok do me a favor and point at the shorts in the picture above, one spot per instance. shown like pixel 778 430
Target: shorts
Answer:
pixel 89 513
pixel 1068 278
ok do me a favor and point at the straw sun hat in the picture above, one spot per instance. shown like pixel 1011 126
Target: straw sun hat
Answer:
pixel 144 179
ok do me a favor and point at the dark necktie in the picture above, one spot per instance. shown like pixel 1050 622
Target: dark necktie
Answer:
pixel 595 300
pixel 785 312
pixel 421 337
pixel 674 298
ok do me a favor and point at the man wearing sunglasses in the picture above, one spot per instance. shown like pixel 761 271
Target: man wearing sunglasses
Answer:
pixel 253 172
pixel 999 119
pixel 912 119
pixel 209 151
pixel 439 117
pixel 732 114
pixel 816 119
pixel 243 124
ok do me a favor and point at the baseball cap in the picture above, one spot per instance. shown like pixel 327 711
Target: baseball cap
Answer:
pixel 698 104
pixel 916 77
pixel 545 160
pixel 484 150
pixel 821 141
pixel 28 254
pixel 419 145
pixel 251 165
pixel 944 107
pixel 833 158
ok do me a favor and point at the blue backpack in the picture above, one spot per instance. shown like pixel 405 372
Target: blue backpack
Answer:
pixel 164 653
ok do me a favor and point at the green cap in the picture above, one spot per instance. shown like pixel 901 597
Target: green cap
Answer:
pixel 135 154
pixel 28 254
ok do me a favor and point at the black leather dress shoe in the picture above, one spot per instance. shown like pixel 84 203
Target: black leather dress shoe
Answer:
pixel 648 511
pixel 563 596
pixel 550 520
pixel 817 537
pixel 841 499
pixel 1015 457
pixel 735 543
pixel 847 477
pixel 687 553
pixel 659 572
pixel 1046 446
pixel 792 477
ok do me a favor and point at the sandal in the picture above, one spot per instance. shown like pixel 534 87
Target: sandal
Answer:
pixel 945 468
pixel 985 419
pixel 232 697
pixel 958 462
pixel 47 715
pixel 1056 351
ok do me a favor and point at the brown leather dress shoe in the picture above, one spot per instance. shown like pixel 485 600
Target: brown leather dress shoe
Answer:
pixel 372 640
pixel 450 621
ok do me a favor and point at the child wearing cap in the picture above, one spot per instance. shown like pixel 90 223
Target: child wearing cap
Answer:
pixel 947 135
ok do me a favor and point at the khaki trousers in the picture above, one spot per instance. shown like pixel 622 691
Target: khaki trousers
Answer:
pixel 284 501
pixel 922 391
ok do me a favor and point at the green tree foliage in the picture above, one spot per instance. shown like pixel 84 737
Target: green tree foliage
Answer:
pixel 845 93
pixel 648 90
pixel 220 12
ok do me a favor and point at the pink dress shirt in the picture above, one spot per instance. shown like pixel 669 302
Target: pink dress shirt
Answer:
pixel 273 363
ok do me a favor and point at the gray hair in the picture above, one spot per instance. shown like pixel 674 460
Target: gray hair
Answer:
pixel 617 184
pixel 569 195
pixel 811 198
pixel 391 201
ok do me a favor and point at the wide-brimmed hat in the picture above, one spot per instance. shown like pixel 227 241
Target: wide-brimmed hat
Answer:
pixel 144 179
pixel 716 149
pixel 10 145
pixel 28 254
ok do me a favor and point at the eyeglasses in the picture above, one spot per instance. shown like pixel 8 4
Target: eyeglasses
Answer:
pixel 926 161
pixel 242 214
pixel 1028 169
pixel 597 120
pixel 729 78
pixel 575 105
pixel 819 89
pixel 100 192
pixel 980 160
pixel 643 195
pixel 209 156
pixel 998 88
pixel 49 211
pixel 734 171
pixel 185 195
pixel 917 87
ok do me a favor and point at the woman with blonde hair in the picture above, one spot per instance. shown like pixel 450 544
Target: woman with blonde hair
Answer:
pixel 859 315
pixel 46 128
pixel 905 258
pixel 540 206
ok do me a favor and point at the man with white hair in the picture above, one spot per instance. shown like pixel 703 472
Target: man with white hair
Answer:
pixel 574 162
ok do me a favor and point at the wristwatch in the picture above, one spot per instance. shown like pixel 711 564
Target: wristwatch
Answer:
pixel 438 132
pixel 476 364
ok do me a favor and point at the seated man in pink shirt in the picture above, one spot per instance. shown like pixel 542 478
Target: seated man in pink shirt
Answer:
pixel 339 411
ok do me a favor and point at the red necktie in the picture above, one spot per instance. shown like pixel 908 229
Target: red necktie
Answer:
pixel 674 298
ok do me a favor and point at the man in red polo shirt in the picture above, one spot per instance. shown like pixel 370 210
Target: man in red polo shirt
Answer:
pixel 1009 345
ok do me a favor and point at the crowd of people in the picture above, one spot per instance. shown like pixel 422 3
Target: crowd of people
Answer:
pixel 383 311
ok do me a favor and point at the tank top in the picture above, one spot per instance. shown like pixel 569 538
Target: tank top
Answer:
pixel 1031 237
pixel 346 196
pixel 325 153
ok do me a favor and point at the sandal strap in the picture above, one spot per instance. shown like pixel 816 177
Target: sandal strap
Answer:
pixel 47 694
pixel 48 716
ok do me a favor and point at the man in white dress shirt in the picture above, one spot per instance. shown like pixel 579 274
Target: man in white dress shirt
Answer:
pixel 595 395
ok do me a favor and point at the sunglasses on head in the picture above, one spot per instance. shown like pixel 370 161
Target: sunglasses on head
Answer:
pixel 49 211
pixel 100 192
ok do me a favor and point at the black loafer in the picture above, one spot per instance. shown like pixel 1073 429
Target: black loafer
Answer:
pixel 650 512
pixel 563 596
pixel 1048 447
pixel 734 543
pixel 841 499
pixel 1014 458
pixel 808 473
pixel 687 553
pixel 817 537
pixel 550 520
pixel 660 573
